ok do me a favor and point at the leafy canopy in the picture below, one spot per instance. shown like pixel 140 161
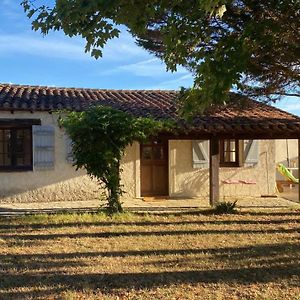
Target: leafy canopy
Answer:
pixel 99 137
pixel 250 46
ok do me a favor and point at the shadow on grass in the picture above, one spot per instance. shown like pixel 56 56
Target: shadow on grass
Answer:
pixel 32 237
pixel 266 250
pixel 268 211
pixel 146 223
pixel 108 282
pixel 269 263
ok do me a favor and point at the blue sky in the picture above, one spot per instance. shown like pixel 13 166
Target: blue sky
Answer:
pixel 55 60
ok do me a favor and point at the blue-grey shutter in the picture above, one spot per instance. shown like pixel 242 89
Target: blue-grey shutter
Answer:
pixel 69 149
pixel 251 152
pixel 43 147
pixel 200 154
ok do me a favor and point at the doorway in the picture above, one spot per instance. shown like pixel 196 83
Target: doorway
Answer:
pixel 155 168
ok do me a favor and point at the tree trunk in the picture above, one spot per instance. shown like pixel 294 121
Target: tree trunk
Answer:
pixel 114 189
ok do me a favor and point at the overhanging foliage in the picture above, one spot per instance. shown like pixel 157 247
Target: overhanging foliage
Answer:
pixel 251 46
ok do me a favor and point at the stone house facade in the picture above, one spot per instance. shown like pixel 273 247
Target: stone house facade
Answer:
pixel 36 154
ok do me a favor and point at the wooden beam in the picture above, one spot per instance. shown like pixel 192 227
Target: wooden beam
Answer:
pixel 299 170
pixel 5 123
pixel 244 136
pixel 214 166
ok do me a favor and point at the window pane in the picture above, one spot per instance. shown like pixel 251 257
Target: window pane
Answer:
pixel 226 146
pixel 232 145
pixel 230 149
pixel 7 159
pixel 226 156
pixel 5 147
pixel 23 147
pixel 146 152
pixel 15 148
pixel 158 153
pixel 232 156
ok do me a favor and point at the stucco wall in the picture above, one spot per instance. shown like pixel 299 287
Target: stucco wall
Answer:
pixel 63 183
pixel 287 149
pixel 187 181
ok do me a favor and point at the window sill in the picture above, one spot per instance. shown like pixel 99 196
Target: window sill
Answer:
pixel 16 170
pixel 231 166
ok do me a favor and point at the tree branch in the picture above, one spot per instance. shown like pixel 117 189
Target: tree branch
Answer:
pixel 288 94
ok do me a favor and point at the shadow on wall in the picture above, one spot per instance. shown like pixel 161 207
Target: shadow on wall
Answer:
pixel 251 181
pixel 197 183
pixel 239 189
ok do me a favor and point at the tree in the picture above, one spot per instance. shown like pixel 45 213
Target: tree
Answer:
pixel 99 137
pixel 247 45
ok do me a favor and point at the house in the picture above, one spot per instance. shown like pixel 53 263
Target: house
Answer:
pixel 229 151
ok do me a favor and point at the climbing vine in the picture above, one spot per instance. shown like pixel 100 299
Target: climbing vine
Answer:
pixel 99 137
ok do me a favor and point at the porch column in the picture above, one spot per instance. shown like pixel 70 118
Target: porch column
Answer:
pixel 299 170
pixel 214 165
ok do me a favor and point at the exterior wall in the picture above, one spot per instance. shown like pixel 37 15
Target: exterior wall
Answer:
pixel 185 181
pixel 287 148
pixel 62 183
pixel 131 172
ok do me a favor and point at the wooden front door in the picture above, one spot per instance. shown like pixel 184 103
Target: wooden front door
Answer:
pixel 154 168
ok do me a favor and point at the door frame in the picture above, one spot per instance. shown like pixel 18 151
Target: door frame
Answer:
pixel 166 147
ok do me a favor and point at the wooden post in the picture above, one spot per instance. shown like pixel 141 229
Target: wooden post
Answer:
pixel 299 170
pixel 214 165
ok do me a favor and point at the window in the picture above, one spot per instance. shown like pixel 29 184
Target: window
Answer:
pixel 154 150
pixel 230 154
pixel 15 149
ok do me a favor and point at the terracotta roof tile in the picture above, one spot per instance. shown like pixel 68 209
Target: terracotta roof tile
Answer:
pixel 253 118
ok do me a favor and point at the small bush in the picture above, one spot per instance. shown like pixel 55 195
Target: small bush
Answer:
pixel 225 208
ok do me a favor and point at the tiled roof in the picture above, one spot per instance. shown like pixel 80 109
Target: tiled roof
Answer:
pixel 253 118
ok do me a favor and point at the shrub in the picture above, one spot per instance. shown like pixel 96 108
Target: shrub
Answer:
pixel 225 207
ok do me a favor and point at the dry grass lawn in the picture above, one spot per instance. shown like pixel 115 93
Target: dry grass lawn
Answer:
pixel 254 255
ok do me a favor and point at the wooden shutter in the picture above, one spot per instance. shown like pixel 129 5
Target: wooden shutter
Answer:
pixel 43 147
pixel 69 149
pixel 251 152
pixel 200 154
